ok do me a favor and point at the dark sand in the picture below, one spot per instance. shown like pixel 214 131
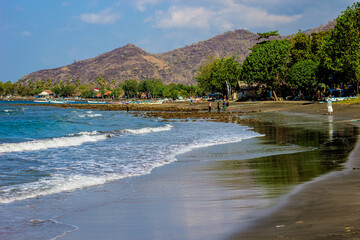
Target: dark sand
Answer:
pixel 325 208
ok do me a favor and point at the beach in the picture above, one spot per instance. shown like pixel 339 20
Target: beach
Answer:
pixel 327 207
pixel 299 179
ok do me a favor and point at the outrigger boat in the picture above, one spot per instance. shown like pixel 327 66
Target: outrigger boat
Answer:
pixel 58 101
pixel 41 100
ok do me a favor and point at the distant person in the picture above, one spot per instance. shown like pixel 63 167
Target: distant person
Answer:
pixel 218 106
pixel 227 103
pixel 127 108
pixel 209 106
pixel 224 105
pixel 329 107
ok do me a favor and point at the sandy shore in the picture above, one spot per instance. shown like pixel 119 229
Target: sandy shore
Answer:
pixel 325 208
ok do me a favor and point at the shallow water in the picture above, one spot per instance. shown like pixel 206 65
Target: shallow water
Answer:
pixel 76 161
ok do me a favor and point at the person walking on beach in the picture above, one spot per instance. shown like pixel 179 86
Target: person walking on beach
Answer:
pixel 227 103
pixel 209 106
pixel 224 106
pixel 127 108
pixel 218 106
pixel 329 107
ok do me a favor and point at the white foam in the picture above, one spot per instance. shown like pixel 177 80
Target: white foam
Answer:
pixel 90 115
pixel 149 129
pixel 141 166
pixel 57 184
pixel 74 140
pixel 213 142
pixel 92 133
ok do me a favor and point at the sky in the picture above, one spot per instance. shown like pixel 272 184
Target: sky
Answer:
pixel 44 34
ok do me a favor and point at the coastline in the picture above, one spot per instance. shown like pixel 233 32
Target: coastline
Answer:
pixel 292 218
pixel 323 208
pixel 327 207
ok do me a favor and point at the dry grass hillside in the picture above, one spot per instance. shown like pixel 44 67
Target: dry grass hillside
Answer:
pixel 177 66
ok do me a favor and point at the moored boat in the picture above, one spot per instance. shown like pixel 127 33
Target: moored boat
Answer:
pixel 41 100
pixel 56 101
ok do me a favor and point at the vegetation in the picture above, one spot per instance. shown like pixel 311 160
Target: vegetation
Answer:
pixel 147 88
pixel 267 64
pixel 306 63
pixel 341 52
pixel 309 63
pixel 219 75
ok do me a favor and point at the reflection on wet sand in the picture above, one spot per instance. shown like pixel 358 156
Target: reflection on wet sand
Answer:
pixel 326 148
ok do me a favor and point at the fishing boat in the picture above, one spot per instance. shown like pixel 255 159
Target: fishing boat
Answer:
pixel 97 102
pixel 41 100
pixel 56 101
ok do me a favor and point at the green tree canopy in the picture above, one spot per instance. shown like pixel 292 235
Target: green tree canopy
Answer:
pixel 267 64
pixel 300 49
pixel 152 87
pixel 267 35
pixel 302 75
pixel 341 53
pixel 218 74
pixel 130 87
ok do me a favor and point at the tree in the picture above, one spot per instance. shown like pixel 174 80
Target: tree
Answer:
pixel 267 35
pixel 113 83
pixel 219 75
pixel 267 64
pixel 302 75
pixel 48 83
pixel 341 53
pixel 152 87
pixel 300 48
pixel 102 83
pixel 130 87
pixel 77 83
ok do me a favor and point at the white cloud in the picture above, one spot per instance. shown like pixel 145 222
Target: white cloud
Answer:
pixel 219 15
pixel 26 33
pixel 180 17
pixel 103 17
pixel 141 4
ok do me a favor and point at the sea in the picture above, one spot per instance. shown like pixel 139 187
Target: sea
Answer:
pixel 48 153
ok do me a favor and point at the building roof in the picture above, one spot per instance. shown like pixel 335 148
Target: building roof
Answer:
pixel 46 93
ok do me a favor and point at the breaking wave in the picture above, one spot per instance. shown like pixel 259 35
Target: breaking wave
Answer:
pixel 68 141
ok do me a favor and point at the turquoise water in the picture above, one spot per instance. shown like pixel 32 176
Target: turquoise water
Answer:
pixel 51 158
pixel 47 150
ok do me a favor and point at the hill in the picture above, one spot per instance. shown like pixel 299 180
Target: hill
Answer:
pixel 176 66
pixel 131 62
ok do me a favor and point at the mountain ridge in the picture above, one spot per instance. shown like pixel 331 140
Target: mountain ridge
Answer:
pixel 175 66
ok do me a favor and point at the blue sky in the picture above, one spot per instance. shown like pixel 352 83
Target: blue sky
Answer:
pixel 43 34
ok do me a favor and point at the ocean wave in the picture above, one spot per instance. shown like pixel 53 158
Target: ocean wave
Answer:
pixel 90 115
pixel 148 129
pixel 35 145
pixel 141 164
pixel 209 143
pixel 56 184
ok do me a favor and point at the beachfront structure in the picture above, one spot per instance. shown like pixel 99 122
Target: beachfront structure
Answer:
pixel 45 94
pixel 243 90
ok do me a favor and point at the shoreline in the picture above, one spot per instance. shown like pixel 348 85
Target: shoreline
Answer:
pixel 326 207
pixel 333 196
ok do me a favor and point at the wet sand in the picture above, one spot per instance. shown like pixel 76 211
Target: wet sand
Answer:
pixel 325 208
